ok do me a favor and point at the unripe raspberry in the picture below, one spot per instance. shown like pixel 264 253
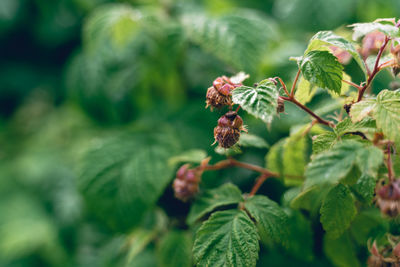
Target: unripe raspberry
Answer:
pixel 227 132
pixel 371 43
pixel 388 198
pixel 385 256
pixel 186 183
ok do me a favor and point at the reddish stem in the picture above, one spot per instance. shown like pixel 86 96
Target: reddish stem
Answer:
pixel 352 84
pixel 309 111
pixel 389 162
pixel 283 86
pixel 260 180
pixel 294 84
pixel 374 72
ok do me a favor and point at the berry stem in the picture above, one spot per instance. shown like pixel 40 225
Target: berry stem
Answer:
pixel 260 180
pixel 294 84
pixel 376 69
pixel 283 86
pixel 389 162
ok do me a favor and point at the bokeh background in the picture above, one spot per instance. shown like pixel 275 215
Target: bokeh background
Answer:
pixel 80 75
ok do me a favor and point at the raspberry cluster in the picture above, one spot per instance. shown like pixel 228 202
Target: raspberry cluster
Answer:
pixel 385 256
pixel 186 183
pixel 227 132
pixel 388 198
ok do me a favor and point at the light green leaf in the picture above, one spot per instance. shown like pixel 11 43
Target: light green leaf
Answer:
pixel 323 142
pixel 295 152
pixel 387 114
pixel 260 102
pixel 332 165
pixel 366 125
pixel 341 251
pixel 251 140
pixel 362 109
pixel 174 249
pixel 274 158
pixel 305 91
pixel 361 29
pixel 337 210
pixel 227 238
pixel 328 38
pixel 311 199
pixel 226 194
pixel 369 159
pixel 323 69
pixel 191 156
pixel 271 219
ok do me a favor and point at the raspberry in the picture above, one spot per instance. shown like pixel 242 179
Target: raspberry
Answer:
pixel 227 132
pixel 186 183
pixel 219 95
pixel 388 198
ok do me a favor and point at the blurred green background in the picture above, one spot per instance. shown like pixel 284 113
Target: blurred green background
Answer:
pixel 127 79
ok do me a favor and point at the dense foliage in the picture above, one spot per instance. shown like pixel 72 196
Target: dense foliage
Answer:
pixel 106 156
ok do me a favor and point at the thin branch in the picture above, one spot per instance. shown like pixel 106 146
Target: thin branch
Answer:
pixel 374 72
pixel 389 162
pixel 352 84
pixel 260 180
pixel 283 86
pixel 309 111
pixel 294 83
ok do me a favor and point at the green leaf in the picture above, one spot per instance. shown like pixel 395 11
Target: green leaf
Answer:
pixel 191 156
pixel 274 158
pixel 229 152
pixel 305 91
pixel 174 249
pixel 369 160
pixel 328 38
pixel 362 109
pixel 337 210
pixel 365 188
pixel 387 114
pixel 295 152
pixel 311 199
pixel 226 194
pixel 323 69
pixel 251 140
pixel 361 29
pixel 366 125
pixel 323 142
pixel 369 224
pixel 260 102
pixel 341 251
pixel 123 177
pixel 227 238
pixel 271 219
pixel 332 165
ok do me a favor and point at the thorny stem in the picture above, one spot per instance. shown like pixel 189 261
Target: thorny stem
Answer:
pixel 376 69
pixel 389 162
pixel 294 84
pixel 352 84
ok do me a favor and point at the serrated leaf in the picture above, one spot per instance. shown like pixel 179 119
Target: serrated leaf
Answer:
pixel 125 176
pixel 226 194
pixel 311 199
pixel 227 238
pixel 174 249
pixel 251 140
pixel 323 142
pixel 295 152
pixel 341 251
pixel 369 159
pixel 361 29
pixel 332 165
pixel 387 114
pixel 328 38
pixel 260 102
pixel 366 125
pixel 274 158
pixel 365 188
pixel 337 210
pixel 305 91
pixel 362 109
pixel 271 219
pixel 323 69
pixel 190 156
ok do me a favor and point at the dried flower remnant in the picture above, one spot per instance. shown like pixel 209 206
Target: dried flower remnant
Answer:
pixel 186 183
pixel 388 198
pixel 219 95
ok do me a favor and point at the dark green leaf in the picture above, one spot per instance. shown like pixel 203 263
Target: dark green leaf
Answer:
pixel 260 102
pixel 271 219
pixel 322 69
pixel 226 194
pixel 227 238
pixel 174 249
pixel 341 251
pixel 337 210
